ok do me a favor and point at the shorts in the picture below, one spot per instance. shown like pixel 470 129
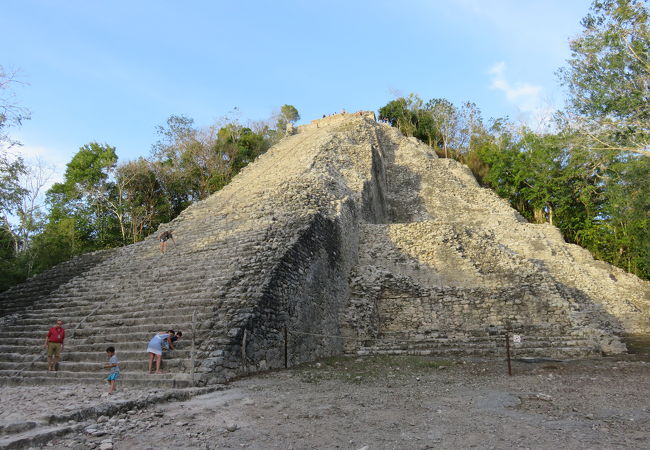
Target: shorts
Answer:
pixel 113 376
pixel 154 350
pixel 54 349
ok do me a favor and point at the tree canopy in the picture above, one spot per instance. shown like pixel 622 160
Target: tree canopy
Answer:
pixel 288 114
pixel 608 77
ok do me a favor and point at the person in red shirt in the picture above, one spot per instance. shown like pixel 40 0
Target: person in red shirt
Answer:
pixel 54 345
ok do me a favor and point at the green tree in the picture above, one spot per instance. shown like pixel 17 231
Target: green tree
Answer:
pixel 192 163
pixel 169 162
pixel 608 77
pixel 11 195
pixel 619 232
pixel 445 122
pixel 11 192
pixel 402 113
pixel 288 114
pixel 144 201
pixel 86 195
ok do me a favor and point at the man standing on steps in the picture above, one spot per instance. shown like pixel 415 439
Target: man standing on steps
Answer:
pixel 54 345
pixel 164 237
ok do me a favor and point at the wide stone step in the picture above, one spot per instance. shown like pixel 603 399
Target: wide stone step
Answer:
pixel 38 378
pixel 491 341
pixel 124 341
pixel 61 300
pixel 148 329
pixel 74 314
pixel 69 321
pixel 136 325
pixel 142 332
pixel 119 346
pixel 24 341
pixel 121 326
pixel 126 354
pixel 185 307
pixel 178 365
pixel 51 312
pixel 27 329
pixel 83 347
pixel 18 334
pixel 96 374
pixel 95 356
pixel 128 335
pixel 144 318
pixel 570 351
pixel 90 351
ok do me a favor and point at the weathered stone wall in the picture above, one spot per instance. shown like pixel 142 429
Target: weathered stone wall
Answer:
pixel 305 294
pixel 458 261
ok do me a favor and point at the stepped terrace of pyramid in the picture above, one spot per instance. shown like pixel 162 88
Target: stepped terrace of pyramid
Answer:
pixel 346 237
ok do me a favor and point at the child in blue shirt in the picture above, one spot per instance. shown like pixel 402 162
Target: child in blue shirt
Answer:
pixel 114 365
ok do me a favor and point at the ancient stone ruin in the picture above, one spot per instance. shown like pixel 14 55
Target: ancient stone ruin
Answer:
pixel 346 237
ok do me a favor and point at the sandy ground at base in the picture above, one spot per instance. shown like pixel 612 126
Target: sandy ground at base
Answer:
pixel 385 403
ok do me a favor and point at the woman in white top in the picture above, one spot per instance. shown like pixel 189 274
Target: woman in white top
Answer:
pixel 154 348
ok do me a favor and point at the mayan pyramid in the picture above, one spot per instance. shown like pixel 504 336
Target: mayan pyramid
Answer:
pixel 346 237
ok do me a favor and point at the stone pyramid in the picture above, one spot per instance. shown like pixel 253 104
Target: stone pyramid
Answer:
pixel 344 237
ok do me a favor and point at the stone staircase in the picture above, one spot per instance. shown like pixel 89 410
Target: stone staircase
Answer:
pixel 97 313
pixel 20 298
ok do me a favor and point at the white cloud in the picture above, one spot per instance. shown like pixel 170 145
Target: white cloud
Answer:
pixel 525 97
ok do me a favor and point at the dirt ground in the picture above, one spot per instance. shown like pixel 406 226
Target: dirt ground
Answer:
pixel 401 403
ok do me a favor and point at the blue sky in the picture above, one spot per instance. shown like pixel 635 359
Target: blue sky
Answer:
pixel 112 71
